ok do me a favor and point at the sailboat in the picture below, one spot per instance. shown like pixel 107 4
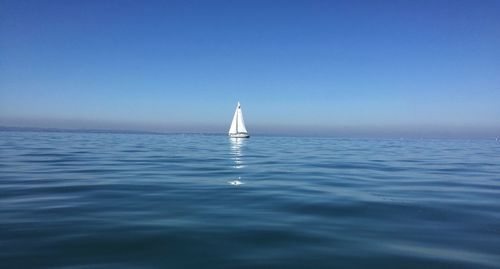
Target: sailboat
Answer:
pixel 238 129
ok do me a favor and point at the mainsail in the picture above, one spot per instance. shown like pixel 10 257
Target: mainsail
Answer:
pixel 238 124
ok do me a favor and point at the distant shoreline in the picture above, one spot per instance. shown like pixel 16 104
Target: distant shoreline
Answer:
pixel 64 130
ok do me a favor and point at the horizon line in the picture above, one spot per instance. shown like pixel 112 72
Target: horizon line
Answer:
pixel 339 136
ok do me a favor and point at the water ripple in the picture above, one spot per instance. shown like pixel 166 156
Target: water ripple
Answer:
pixel 80 200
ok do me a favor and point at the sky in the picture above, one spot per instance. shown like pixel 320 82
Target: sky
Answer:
pixel 340 68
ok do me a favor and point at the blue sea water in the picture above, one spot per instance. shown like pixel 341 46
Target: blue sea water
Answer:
pixel 87 200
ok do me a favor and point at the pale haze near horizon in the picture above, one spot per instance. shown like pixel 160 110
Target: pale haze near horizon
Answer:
pixel 343 68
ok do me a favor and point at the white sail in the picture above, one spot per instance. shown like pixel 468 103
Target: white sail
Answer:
pixel 233 129
pixel 241 123
pixel 238 128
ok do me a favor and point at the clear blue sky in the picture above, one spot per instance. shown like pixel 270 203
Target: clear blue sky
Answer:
pixel 298 67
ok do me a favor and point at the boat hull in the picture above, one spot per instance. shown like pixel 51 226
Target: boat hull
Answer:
pixel 239 135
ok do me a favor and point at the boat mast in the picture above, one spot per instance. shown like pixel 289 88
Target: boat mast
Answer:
pixel 238 108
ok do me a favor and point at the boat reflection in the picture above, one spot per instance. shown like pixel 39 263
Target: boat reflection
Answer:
pixel 237 145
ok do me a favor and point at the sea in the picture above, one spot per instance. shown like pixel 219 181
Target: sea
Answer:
pixel 109 200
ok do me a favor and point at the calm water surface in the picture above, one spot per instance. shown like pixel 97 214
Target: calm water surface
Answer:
pixel 82 200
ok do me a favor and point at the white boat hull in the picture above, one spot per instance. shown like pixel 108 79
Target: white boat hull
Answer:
pixel 241 135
